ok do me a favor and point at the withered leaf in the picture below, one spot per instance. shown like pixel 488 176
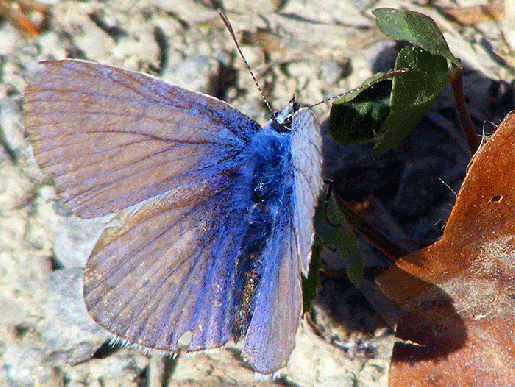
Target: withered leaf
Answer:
pixel 456 297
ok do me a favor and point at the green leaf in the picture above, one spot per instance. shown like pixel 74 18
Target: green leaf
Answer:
pixel 370 82
pixel 358 121
pixel 413 93
pixel 416 28
pixel 334 230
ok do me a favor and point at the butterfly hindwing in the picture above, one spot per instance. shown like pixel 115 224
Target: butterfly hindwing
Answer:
pixel 168 269
pixel 270 338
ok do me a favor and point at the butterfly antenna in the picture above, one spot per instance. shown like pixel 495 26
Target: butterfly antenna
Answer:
pixel 231 31
pixel 387 75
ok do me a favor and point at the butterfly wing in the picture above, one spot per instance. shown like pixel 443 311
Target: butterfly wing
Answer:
pixel 168 269
pixel 270 338
pixel 114 138
pixel 306 149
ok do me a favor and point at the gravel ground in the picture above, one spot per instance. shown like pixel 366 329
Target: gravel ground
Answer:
pixel 315 49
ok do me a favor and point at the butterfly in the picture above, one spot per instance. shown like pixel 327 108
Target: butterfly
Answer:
pixel 214 214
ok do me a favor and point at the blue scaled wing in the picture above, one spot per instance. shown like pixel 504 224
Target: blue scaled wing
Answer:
pixel 169 268
pixel 306 149
pixel 168 162
pixel 114 138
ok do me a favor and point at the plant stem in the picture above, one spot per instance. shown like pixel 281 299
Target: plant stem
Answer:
pixel 462 112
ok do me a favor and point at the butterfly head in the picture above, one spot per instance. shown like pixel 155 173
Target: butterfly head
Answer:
pixel 281 121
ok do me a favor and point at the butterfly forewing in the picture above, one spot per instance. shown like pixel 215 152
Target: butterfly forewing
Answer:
pixel 113 138
pixel 306 152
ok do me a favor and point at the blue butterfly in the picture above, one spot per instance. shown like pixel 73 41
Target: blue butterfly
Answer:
pixel 215 213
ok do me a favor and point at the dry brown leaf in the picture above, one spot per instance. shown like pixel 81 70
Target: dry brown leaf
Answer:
pixel 457 297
